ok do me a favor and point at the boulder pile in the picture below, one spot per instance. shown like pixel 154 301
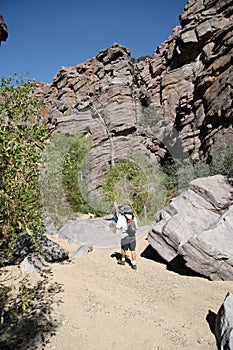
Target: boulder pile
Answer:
pixel 198 226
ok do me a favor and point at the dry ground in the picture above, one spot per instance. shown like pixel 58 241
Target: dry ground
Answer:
pixel 105 306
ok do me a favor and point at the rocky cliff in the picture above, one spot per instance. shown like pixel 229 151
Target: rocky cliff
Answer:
pixel 190 77
pixel 188 81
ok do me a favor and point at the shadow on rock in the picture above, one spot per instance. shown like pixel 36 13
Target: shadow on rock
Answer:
pixel 28 320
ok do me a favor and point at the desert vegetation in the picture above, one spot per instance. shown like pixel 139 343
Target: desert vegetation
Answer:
pixel 22 139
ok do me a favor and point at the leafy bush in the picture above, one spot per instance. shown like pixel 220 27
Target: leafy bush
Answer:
pixel 22 138
pixel 59 178
pixel 137 182
pixel 221 162
pixel 149 120
pixel 71 173
pixel 178 176
pixel 125 183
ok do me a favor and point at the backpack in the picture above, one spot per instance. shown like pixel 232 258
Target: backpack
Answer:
pixel 131 227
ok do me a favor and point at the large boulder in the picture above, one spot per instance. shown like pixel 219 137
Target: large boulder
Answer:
pixel 95 233
pixel 224 324
pixel 197 225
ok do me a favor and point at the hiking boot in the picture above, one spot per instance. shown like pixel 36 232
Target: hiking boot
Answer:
pixel 134 267
pixel 120 262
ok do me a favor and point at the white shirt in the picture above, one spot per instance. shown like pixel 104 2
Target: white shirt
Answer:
pixel 122 223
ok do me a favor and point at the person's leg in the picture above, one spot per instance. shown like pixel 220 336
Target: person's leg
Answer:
pixel 123 254
pixel 133 254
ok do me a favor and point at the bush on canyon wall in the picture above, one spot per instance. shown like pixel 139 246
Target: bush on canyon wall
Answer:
pixel 178 176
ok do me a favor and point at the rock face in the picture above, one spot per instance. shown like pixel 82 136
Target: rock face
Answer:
pixel 190 76
pixel 197 225
pixel 188 79
pixel 224 324
pixel 3 30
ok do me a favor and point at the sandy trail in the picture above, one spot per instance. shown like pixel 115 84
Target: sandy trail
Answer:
pixel 107 306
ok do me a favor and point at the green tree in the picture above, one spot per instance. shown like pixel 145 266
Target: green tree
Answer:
pixel 60 177
pixel 22 138
pixel 137 182
pixel 71 173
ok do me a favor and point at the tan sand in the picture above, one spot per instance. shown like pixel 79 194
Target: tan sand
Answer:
pixel 108 306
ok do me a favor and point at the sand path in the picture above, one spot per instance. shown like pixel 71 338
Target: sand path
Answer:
pixel 107 306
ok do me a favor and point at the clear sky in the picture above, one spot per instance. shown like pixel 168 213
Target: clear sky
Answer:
pixel 47 34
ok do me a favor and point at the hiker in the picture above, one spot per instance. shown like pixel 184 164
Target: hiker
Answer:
pixel 127 223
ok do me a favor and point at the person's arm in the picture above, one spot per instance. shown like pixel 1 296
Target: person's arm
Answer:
pixel 119 224
pixel 136 222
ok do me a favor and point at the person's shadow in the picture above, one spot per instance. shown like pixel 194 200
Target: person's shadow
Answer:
pixel 117 256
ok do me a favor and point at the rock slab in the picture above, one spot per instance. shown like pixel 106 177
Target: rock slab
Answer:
pixel 197 225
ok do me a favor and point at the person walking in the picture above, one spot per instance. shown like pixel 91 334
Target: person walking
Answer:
pixel 127 224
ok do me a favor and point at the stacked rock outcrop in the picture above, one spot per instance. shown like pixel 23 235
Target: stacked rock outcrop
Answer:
pixel 197 226
pixel 190 77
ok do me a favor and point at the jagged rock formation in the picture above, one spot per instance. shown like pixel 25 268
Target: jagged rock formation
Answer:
pixel 3 30
pixel 188 78
pixel 197 226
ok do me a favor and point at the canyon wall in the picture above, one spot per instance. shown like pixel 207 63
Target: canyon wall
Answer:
pixel 187 81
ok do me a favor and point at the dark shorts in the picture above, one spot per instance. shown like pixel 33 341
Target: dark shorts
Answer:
pixel 128 243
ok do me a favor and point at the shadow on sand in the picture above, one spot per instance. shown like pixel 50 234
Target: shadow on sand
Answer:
pixel 176 265
pixel 28 323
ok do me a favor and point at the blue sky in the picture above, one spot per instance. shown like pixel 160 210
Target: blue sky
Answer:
pixel 47 34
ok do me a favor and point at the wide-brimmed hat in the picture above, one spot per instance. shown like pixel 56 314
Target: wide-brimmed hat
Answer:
pixel 127 209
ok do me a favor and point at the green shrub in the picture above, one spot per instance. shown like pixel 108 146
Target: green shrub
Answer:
pixel 59 178
pixel 178 176
pixel 137 182
pixel 149 120
pixel 125 183
pixel 222 162
pixel 71 173
pixel 22 138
